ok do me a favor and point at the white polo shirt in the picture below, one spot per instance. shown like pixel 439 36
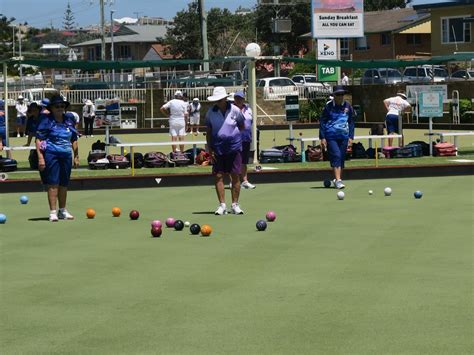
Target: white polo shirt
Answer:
pixel 177 109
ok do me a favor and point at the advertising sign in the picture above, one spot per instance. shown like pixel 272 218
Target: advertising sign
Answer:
pixel 431 104
pixel 337 18
pixel 292 108
pixel 327 49
pixel 412 90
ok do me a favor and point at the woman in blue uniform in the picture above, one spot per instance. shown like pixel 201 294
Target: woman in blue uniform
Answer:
pixel 3 133
pixel 336 132
pixel 56 141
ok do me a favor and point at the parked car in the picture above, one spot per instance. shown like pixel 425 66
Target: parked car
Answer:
pixel 311 84
pixel 277 87
pixel 381 76
pixel 425 73
pixel 464 74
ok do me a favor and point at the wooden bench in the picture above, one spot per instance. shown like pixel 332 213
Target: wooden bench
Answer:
pixel 314 140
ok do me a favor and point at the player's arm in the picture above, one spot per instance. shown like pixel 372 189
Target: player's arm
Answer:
pixel 386 103
pixel 75 150
pixel 41 162
pixel 164 109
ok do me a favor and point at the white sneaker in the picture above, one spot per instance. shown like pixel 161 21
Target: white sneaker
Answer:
pixel 64 214
pixel 230 185
pixel 247 185
pixel 340 185
pixel 221 210
pixel 92 136
pixel 236 209
pixel 18 135
pixel 53 217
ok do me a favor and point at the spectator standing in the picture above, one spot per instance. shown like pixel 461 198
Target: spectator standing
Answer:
pixel 246 133
pixel 33 113
pixel 345 79
pixel 336 132
pixel 21 109
pixel 56 141
pixel 395 107
pixel 88 113
pixel 3 129
pixel 194 110
pixel 177 110
pixel 224 122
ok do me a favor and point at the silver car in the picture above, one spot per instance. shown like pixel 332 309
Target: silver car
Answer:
pixel 425 73
pixel 464 74
pixel 381 76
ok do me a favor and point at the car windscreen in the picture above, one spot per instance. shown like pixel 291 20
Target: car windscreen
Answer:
pixel 310 79
pixel 390 73
pixel 440 72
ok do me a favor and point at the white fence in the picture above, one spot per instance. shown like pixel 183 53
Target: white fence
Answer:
pixel 201 93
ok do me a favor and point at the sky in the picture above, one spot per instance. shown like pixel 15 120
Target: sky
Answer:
pixel 40 13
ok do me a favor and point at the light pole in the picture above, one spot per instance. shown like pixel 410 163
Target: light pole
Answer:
pixel 102 30
pixel 252 51
pixel 112 56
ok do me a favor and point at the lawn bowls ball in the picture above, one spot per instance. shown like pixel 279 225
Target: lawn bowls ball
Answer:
pixel 134 215
pixel 418 194
pixel 24 200
pixel 261 225
pixel 3 218
pixel 170 222
pixel 341 195
pixel 156 224
pixel 178 225
pixel 327 183
pixel 195 229
pixel 387 191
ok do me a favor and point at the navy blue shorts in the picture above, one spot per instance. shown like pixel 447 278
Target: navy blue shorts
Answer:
pixel 392 123
pixel 58 168
pixel 337 151
pixel 21 121
pixel 245 152
pixel 228 163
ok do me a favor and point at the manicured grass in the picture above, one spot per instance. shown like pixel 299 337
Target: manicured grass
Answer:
pixel 268 139
pixel 367 275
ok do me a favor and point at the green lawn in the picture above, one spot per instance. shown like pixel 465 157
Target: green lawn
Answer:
pixel 268 139
pixel 367 275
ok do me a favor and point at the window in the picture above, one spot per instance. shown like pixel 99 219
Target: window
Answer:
pixel 413 39
pixel 90 53
pixel 344 43
pixel 125 52
pixel 298 79
pixel 455 30
pixel 361 43
pixel 385 39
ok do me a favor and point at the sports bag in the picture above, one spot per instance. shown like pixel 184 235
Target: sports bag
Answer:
pixel 99 164
pixel 389 152
pixel 425 147
pixel 156 160
pixel 314 153
pixel 138 160
pixel 358 151
pixel 271 155
pixel 445 149
pixel 117 161
pixel 409 151
pixel 98 145
pixel 190 154
pixel 179 158
pixel 95 155
pixel 203 158
pixel 289 153
pixel 7 164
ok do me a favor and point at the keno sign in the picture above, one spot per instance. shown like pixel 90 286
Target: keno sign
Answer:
pixel 337 18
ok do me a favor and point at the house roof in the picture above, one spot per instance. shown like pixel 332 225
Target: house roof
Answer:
pixel 158 52
pixel 425 4
pixel 53 46
pixel 392 20
pixel 132 34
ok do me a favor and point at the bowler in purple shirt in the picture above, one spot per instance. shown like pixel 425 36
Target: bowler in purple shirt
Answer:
pixel 224 122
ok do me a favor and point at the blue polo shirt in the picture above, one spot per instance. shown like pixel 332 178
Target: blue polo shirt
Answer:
pixel 225 133
pixel 2 126
pixel 337 121
pixel 247 131
pixel 58 136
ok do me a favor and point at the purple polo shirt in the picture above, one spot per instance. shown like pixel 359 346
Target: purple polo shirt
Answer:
pixel 225 133
pixel 247 132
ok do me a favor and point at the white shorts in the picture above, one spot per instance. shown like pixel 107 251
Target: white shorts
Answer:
pixel 194 120
pixel 177 129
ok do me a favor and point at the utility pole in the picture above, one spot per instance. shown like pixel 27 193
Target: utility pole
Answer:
pixel 102 29
pixel 19 54
pixel 13 40
pixel 112 56
pixel 205 49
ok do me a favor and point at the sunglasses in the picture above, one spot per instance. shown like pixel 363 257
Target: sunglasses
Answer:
pixel 339 94
pixel 59 106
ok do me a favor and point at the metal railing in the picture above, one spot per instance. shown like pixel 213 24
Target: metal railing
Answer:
pixel 276 93
pixel 125 95
pixel 201 93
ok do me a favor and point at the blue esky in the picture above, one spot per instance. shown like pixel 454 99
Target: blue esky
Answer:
pixel 40 13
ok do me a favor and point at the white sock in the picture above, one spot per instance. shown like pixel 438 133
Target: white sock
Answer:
pixel 52 212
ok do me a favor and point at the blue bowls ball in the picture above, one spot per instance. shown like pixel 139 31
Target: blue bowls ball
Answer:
pixel 3 218
pixel 261 225
pixel 24 200
pixel 327 183
pixel 418 194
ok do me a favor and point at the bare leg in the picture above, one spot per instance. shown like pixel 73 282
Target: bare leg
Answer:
pixel 235 187
pixel 220 188
pixel 390 140
pixel 62 196
pixel 244 172
pixel 337 172
pixel 173 147
pixel 52 196
pixel 181 146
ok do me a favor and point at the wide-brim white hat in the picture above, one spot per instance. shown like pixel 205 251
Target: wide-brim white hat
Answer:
pixel 88 102
pixel 402 95
pixel 218 93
